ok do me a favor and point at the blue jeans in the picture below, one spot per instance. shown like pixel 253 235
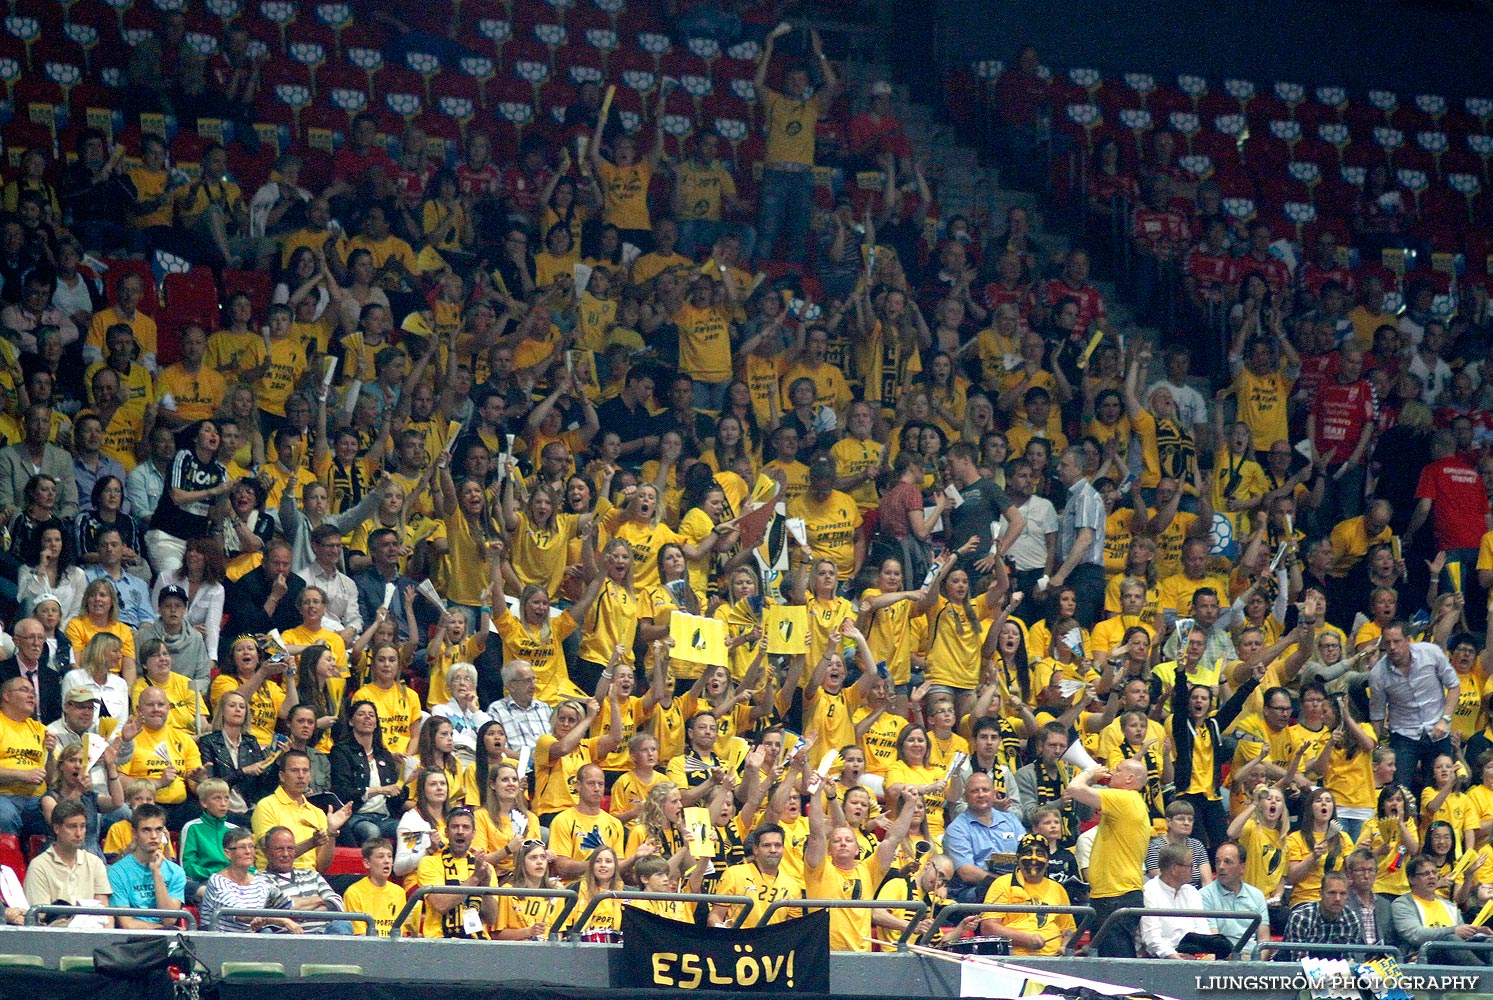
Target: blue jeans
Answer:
pixel 696 235
pixel 787 199
pixel 710 396
pixel 21 814
pixel 1416 756
pixel 364 826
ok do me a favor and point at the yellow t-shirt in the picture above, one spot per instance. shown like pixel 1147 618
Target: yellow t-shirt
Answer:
pixel 1262 405
pixel 232 354
pixel 398 708
pixel 789 125
pixel 187 706
pixel 22 747
pixel 391 247
pixel 832 526
pixel 700 189
pixel 197 396
pixel 154 752
pixel 1265 857
pixel 287 360
pixel 848 929
pixel 704 343
pixel 624 192
pixel 954 644
pixel 1309 887
pixel 443 869
pixel 149 185
pixel 555 780
pixel 382 903
pixel 1009 890
pixel 540 646
pixel 1118 862
pixel 574 835
pixel 541 555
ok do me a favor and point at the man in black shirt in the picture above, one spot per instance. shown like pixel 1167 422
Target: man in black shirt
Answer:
pixel 981 503
pixel 266 597
pixel 627 414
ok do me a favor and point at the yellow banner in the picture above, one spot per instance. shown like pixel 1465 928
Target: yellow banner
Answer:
pixel 787 628
pixel 697 639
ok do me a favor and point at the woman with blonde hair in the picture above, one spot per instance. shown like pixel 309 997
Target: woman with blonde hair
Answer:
pixel 661 828
pixel 234 756
pixel 101 615
pixel 99 670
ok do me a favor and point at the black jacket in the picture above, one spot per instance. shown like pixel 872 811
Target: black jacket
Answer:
pixel 49 704
pixel 243 606
pixel 350 775
pixel 215 756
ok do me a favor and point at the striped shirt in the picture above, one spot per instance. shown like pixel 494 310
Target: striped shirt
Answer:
pixel 1084 509
pixel 223 893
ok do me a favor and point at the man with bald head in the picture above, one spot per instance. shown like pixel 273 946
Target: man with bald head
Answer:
pixel 833 869
pixel 46 681
pixel 976 833
pixel 1117 866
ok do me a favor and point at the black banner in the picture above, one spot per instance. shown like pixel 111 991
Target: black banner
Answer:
pixel 791 957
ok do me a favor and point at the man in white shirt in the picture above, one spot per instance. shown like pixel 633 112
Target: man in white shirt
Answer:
pixel 1035 551
pixel 1192 409
pixel 1172 889
pixel 342 615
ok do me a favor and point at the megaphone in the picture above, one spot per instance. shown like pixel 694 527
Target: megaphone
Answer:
pixel 1079 757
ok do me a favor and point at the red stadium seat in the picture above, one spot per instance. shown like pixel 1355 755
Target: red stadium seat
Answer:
pixel 346 861
pixel 256 284
pixel 11 856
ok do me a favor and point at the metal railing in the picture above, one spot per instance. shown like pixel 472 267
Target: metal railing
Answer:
pixel 1294 947
pixel 1450 944
pixel 569 895
pixel 919 907
pixel 745 902
pixel 34 915
pixel 299 916
pixel 950 915
pixel 1126 912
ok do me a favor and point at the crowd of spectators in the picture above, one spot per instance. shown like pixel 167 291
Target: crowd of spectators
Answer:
pixel 393 561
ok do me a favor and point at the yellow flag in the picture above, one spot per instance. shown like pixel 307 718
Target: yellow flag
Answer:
pixel 787 628
pixel 1454 574
pixel 697 639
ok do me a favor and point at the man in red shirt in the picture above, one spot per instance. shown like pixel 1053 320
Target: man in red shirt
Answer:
pixel 1211 272
pixel 1259 258
pixel 1074 283
pixel 1159 237
pixel 1450 494
pixel 877 130
pixel 527 179
pixel 361 160
pixel 1324 267
pixel 1022 98
pixel 1341 424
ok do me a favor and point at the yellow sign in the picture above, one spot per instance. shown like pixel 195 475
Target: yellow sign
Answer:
pixel 787 628
pixel 697 639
